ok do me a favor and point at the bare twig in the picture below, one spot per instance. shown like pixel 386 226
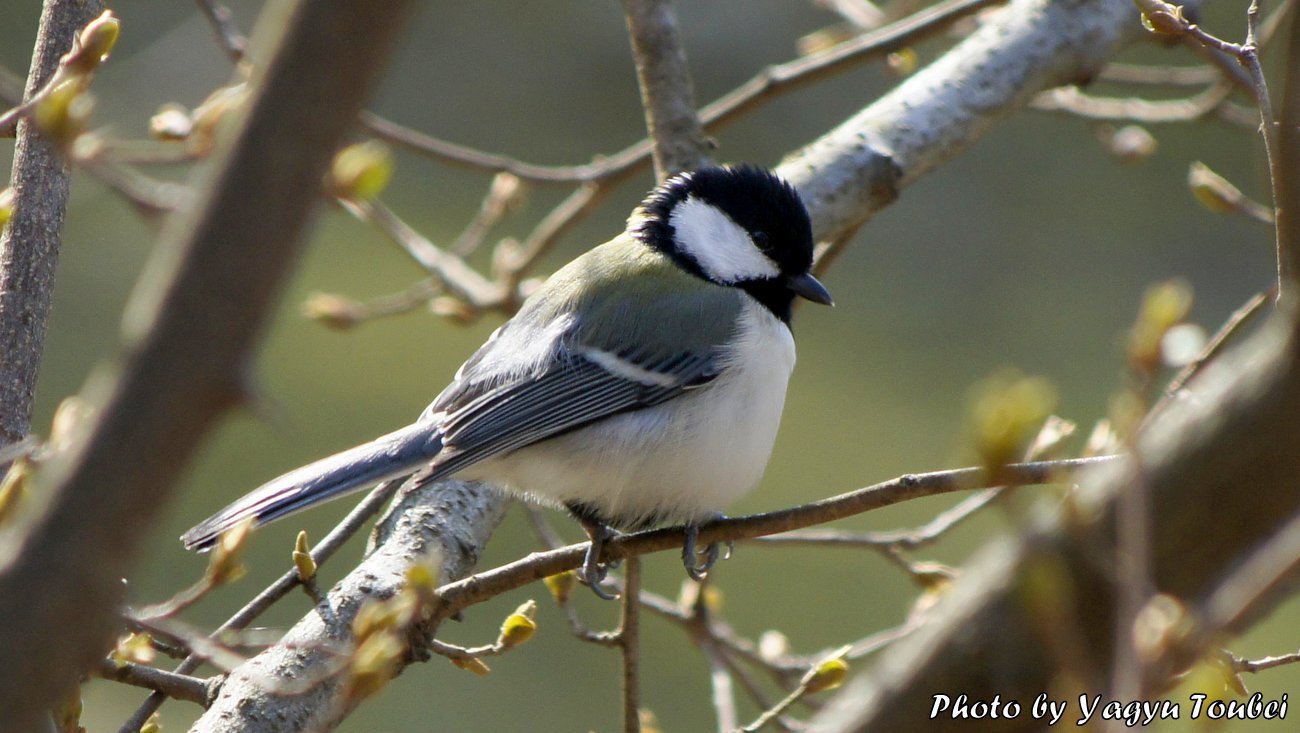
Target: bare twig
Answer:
pixel 29 244
pixel 1137 109
pixel 774 80
pixel 1247 55
pixel 667 94
pixel 1192 76
pixel 722 686
pixel 1259 665
pixel 629 639
pixel 171 684
pixel 458 277
pixel 1239 319
pixel 457 596
pixel 223 27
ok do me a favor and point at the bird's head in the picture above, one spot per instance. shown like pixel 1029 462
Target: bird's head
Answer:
pixel 738 226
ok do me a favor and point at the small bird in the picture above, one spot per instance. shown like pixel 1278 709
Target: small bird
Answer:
pixel 641 384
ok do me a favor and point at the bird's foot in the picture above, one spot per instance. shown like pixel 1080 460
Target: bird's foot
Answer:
pixel 698 562
pixel 593 571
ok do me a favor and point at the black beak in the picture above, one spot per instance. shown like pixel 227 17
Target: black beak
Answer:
pixel 807 286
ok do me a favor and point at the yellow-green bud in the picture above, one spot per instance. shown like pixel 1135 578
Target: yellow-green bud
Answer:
pixel 1164 306
pixel 827 675
pixel 152 725
pixel 903 61
pixel 94 43
pixel 772 645
pixel 71 418
pixel 171 122
pixel 332 311
pixel 453 309
pixel 507 193
pixel 136 648
pixel 1163 623
pixel 302 559
pixel 211 112
pixel 1162 17
pixel 62 114
pixel 1212 190
pixel 519 626
pixel 361 171
pixel 1006 411
pixel 1131 143
pixel 561 585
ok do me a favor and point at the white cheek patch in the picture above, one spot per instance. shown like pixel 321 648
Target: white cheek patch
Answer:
pixel 720 246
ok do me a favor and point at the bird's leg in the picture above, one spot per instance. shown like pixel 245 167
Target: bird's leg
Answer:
pixel 593 571
pixel 698 563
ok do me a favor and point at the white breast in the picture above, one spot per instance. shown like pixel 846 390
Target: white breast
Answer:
pixel 683 460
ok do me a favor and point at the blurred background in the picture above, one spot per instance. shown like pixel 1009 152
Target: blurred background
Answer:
pixel 1030 250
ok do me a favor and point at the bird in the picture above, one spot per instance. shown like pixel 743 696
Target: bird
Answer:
pixel 639 385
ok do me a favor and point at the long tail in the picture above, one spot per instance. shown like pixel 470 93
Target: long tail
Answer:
pixel 390 456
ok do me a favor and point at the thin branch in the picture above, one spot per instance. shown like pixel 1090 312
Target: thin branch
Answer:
pixel 451 271
pixel 766 84
pixel 667 93
pixel 1247 55
pixel 624 162
pixel 1259 665
pixel 29 243
pixel 171 684
pixel 457 596
pixel 722 686
pixel 223 27
pixel 925 534
pixel 1191 76
pixel 1137 109
pixel 1239 319
pixel 629 640
pixel 554 225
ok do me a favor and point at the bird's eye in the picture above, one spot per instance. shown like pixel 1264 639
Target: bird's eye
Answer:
pixel 760 240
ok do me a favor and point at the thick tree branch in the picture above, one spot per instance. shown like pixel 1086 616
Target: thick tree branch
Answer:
pixel 298 685
pixel 29 244
pixel 1030 45
pixel 186 345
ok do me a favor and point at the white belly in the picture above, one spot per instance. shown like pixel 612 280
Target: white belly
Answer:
pixel 681 461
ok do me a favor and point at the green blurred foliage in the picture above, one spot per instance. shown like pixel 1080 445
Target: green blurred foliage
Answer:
pixel 1032 249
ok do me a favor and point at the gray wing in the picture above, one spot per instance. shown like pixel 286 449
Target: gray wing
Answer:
pixel 586 350
pixel 574 390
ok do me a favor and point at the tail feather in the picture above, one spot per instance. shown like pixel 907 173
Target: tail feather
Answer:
pixel 390 456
